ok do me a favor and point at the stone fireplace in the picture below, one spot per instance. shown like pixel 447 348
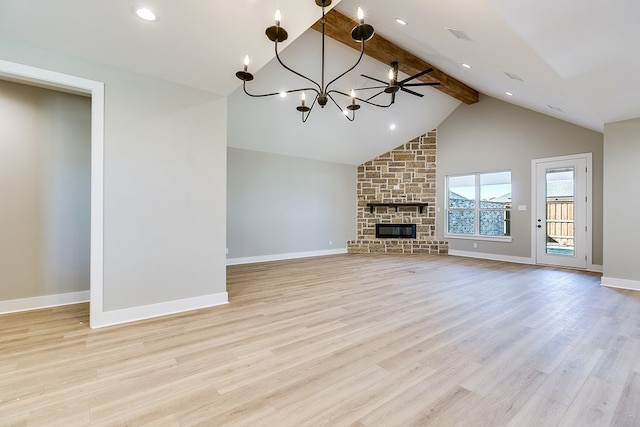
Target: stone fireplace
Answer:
pixel 396 188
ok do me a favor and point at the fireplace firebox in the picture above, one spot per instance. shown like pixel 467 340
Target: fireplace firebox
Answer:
pixel 395 231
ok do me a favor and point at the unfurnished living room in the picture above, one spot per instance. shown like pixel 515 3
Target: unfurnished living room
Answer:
pixel 302 213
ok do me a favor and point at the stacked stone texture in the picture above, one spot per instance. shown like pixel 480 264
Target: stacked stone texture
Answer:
pixel 406 174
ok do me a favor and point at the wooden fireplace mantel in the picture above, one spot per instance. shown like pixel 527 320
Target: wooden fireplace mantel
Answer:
pixel 372 206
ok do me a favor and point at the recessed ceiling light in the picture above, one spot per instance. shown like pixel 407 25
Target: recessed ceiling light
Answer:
pixel 392 126
pixel 508 93
pixel 145 13
pixel 283 94
pixel 467 66
pixel 401 21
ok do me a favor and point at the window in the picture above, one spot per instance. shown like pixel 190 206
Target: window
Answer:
pixel 479 205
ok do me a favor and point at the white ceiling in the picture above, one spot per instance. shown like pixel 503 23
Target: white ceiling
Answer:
pixel 579 56
pixel 196 42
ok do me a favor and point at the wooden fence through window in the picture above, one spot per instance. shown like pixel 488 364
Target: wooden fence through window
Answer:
pixel 560 222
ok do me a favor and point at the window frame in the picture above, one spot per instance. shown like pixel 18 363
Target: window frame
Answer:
pixel 476 209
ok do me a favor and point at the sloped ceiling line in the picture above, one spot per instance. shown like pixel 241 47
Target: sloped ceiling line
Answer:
pixel 338 27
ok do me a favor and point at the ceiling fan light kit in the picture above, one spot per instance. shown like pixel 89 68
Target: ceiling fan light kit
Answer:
pixel 323 92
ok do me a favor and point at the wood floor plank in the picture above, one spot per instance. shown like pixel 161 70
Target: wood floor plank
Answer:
pixel 595 404
pixel 627 411
pixel 565 382
pixel 354 408
pixel 421 397
pixel 361 340
pixel 539 411
pixel 618 359
pixel 506 398
pixel 332 400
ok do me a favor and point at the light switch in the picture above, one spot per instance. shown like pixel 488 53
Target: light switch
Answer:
pixel 522 207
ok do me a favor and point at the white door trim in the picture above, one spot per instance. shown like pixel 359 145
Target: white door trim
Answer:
pixel 67 83
pixel 589 191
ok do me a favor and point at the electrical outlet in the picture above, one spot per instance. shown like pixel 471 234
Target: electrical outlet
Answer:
pixel 227 251
pixel 330 242
pixel 475 245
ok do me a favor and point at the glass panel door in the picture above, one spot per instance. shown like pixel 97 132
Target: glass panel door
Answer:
pixel 560 222
pixel 560 215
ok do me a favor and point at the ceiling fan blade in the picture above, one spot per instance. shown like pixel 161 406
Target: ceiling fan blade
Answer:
pixel 373 78
pixel 421 84
pixel 412 92
pixel 415 76
pixel 371 87
pixel 371 97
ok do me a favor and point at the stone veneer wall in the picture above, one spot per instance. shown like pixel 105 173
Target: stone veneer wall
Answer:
pixel 404 175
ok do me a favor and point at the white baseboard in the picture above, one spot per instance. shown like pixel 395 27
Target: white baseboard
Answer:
pixel 611 282
pixel 507 258
pixel 595 268
pixel 116 317
pixel 492 257
pixel 281 257
pixel 35 303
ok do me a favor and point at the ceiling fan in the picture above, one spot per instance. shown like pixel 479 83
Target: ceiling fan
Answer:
pixel 393 86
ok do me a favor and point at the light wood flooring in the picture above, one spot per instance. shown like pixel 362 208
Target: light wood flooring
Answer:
pixel 345 340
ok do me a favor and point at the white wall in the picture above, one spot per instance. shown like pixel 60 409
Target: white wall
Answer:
pixel 494 135
pixel 164 188
pixel 621 204
pixel 45 174
pixel 279 205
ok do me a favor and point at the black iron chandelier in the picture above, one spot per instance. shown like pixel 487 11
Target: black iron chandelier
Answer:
pixel 323 92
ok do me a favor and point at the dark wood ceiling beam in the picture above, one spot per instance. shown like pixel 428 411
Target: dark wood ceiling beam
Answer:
pixel 339 26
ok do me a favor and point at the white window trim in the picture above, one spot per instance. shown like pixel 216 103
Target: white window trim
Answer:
pixel 477 209
pixel 504 239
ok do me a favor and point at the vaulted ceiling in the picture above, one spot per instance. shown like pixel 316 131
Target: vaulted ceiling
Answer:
pixel 575 60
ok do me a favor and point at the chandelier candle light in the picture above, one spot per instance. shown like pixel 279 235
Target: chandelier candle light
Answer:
pixel 277 34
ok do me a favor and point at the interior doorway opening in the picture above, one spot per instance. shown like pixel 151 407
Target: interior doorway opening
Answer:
pixel 95 90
